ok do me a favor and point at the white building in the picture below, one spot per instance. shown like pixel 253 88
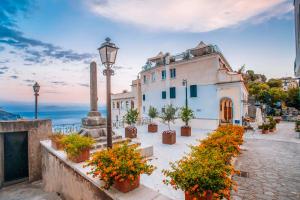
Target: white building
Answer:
pixel 297 36
pixel 122 102
pixel 288 83
pixel 216 94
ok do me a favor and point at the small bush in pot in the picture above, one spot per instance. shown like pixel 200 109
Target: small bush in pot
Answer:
pixel 297 126
pixel 130 119
pixel 56 141
pixel 272 124
pixel 78 147
pixel 186 115
pixel 168 116
pixel 152 113
pixel 120 166
pixel 265 128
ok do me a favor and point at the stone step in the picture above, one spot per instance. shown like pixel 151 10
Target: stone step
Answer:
pixel 103 144
pixel 104 138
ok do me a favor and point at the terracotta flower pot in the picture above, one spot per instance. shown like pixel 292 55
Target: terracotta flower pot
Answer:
pixel 152 128
pixel 130 132
pixel 127 185
pixel 264 131
pixel 169 137
pixel 57 145
pixel 272 130
pixel 277 120
pixel 83 156
pixel 186 131
pixel 208 196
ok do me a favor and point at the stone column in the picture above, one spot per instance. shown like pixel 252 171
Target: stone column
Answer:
pixel 93 90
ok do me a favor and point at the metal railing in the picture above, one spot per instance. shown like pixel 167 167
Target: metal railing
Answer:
pixel 75 127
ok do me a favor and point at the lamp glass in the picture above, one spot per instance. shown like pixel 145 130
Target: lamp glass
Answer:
pixel 36 87
pixel 108 52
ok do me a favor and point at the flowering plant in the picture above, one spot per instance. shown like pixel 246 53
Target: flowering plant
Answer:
pixel 120 163
pixel 57 137
pixel 75 143
pixel 207 168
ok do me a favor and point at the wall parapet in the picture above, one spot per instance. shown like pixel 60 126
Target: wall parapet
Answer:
pixel 72 182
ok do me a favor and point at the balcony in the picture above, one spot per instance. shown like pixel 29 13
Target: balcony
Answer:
pixel 187 55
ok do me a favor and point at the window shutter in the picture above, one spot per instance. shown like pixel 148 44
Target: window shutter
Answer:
pixel 172 93
pixel 193 90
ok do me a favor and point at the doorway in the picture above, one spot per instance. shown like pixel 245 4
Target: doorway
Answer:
pixel 15 157
pixel 226 111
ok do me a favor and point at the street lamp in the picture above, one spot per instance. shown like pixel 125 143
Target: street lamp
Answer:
pixel 36 89
pixel 108 53
pixel 184 83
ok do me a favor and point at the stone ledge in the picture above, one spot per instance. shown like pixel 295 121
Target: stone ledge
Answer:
pixel 142 192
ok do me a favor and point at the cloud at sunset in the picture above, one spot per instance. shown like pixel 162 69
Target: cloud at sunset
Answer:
pixel 190 16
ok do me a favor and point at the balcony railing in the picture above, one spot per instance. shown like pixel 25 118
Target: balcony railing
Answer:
pixel 187 55
pixel 75 127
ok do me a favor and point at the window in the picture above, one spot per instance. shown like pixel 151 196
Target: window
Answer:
pixel 144 97
pixel 127 104
pixel 132 104
pixel 163 75
pixel 145 79
pixel 172 92
pixel 173 73
pixel 118 105
pixel 163 109
pixel 163 94
pixel 193 90
pixel 153 76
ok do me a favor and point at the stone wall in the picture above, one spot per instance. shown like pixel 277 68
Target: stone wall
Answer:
pixel 61 178
pixel 37 130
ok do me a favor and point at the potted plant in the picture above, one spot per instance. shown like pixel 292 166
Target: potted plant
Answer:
pixel 78 147
pixel 168 116
pixel 130 119
pixel 265 128
pixel 56 141
pixel 186 115
pixel 152 113
pixel 272 124
pixel 278 119
pixel 120 166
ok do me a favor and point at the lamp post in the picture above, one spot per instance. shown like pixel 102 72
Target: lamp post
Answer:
pixel 108 53
pixel 36 89
pixel 184 83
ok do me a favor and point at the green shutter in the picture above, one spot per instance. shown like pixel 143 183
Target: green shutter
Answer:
pixel 164 95
pixel 172 93
pixel 193 90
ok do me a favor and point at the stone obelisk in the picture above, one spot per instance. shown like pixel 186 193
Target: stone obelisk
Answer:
pixel 93 125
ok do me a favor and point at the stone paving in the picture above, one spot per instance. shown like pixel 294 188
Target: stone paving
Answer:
pixel 26 191
pixel 273 164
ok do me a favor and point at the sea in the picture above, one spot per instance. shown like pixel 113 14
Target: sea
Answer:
pixel 60 114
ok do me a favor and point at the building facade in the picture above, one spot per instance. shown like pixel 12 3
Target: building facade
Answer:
pixel 216 94
pixel 122 102
pixel 297 36
pixel 289 83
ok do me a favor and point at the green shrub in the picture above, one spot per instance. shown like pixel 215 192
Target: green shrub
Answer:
pixel 152 113
pixel 168 115
pixel 131 116
pixel 186 114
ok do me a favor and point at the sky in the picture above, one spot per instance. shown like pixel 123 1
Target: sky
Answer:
pixel 53 42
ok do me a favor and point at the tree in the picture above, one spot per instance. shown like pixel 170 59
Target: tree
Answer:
pixel 152 113
pixel 293 98
pixel 186 115
pixel 131 116
pixel 168 115
pixel 274 83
